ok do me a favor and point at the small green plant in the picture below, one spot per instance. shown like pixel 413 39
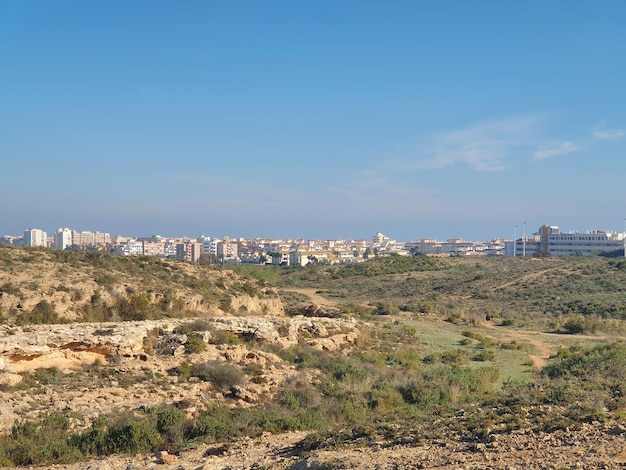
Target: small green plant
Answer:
pixel 183 369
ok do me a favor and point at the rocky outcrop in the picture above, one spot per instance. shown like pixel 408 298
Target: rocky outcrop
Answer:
pixel 133 356
pixel 68 346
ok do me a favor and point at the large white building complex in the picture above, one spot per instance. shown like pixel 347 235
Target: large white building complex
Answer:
pixel 550 241
pixel 35 237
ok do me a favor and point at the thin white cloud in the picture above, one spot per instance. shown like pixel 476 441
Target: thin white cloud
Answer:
pixel 484 146
pixel 608 134
pixel 555 149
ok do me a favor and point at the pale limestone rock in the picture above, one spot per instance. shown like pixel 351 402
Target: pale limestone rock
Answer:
pixel 10 379
pixel 70 346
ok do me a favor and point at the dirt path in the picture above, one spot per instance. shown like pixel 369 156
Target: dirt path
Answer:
pixel 540 360
pixel 314 296
pixel 528 277
pixel 547 344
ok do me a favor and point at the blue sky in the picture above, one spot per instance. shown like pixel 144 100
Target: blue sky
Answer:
pixel 313 119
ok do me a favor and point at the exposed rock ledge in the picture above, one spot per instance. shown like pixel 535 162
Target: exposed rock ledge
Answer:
pixel 72 345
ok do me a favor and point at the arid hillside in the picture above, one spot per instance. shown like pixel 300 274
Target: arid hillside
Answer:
pixel 45 286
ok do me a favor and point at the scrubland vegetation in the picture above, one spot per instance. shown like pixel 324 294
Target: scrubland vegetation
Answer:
pixel 448 348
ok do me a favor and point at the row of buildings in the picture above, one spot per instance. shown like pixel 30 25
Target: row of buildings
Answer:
pixel 547 241
pixel 293 252
pixel 62 239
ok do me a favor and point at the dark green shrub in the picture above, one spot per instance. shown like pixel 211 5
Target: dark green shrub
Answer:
pixel 200 325
pixel 194 344
pixel 183 369
pixel 222 375
pixel 77 295
pixel 224 337
pixel 218 423
pixel 97 309
pixel 47 376
pixel 39 443
pixel 385 308
pixel 42 313
pixel 353 309
pixel 226 304
pixel 107 281
pixel 95 441
pixel 135 435
pixel 383 397
pixel 253 369
pixel 415 393
pixel 454 356
pixel 135 306
pixel 10 288
pixel 574 326
pixel 486 355
pixel 168 418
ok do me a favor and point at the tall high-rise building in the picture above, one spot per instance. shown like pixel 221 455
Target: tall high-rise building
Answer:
pixel 62 238
pixel 35 237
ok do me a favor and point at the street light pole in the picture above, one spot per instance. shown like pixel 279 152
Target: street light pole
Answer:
pixel 524 241
pixel 515 241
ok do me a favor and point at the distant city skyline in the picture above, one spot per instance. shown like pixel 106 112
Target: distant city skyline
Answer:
pixel 518 231
pixel 318 120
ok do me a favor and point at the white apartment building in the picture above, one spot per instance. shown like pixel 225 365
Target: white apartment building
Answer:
pixel 302 258
pixel 62 238
pixel 133 247
pixel 209 246
pixel 35 237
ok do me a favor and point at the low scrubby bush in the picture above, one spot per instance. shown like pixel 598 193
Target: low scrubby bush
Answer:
pixel 42 313
pixel 194 344
pixel 221 374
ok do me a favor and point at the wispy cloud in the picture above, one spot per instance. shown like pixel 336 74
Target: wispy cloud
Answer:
pixel 555 149
pixel 484 146
pixel 374 190
pixel 608 134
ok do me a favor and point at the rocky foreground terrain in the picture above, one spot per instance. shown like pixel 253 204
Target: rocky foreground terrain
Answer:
pixel 86 336
pixel 594 446
pixel 70 348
